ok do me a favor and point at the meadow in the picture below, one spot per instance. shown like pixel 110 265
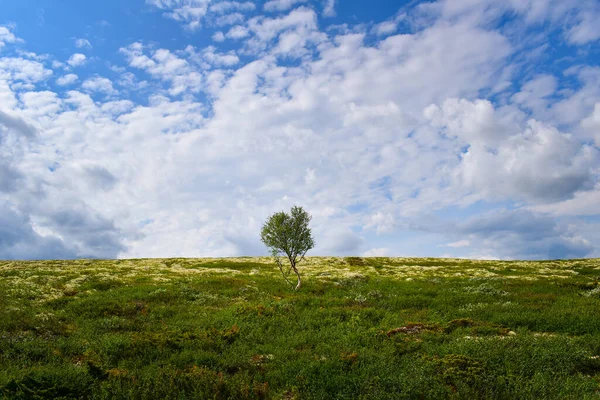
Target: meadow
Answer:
pixel 360 328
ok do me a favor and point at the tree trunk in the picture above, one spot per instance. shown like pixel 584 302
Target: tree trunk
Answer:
pixel 298 275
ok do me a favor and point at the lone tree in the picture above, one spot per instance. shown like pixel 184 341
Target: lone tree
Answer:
pixel 288 235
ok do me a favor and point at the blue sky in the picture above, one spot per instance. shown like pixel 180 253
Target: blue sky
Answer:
pixel 158 128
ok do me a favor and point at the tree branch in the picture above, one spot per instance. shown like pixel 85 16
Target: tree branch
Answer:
pixel 302 257
pixel 282 273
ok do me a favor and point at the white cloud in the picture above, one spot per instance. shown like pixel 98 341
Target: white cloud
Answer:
pixel 82 43
pixel 578 104
pixel 162 63
pixel 280 5
pixel 225 6
pixel 20 241
pixel 268 28
pixel 522 234
pixel 389 26
pixel 229 19
pixel 130 81
pixel 592 124
pixel 77 60
pixel 538 163
pixel 218 36
pixel 212 57
pixel 66 80
pixel 377 252
pixel 578 18
pixel 237 32
pixel 385 28
pixel 458 244
pixel 382 221
pixel 482 257
pixel 310 176
pixel 329 8
pixel 166 66
pixel 99 84
pixel 294 31
pixel 535 94
pixel 190 12
pixel 20 69
pixel 586 30
pixel 584 203
pixel 193 14
pixel 15 124
pixel 6 36
pixel 338 241
pixel 474 122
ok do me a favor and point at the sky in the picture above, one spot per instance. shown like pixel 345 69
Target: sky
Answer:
pixel 174 128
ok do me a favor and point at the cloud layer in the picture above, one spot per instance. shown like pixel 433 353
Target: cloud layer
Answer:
pixel 444 129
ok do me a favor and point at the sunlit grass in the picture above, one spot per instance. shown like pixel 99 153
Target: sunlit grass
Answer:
pixel 359 328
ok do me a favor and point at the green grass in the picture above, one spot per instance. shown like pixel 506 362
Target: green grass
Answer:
pixel 373 328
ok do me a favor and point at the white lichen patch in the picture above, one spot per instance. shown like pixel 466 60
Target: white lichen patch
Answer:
pixel 44 316
pixel 473 307
pixel 592 293
pixel 47 280
pixel 161 279
pixel 510 335
pixel 544 334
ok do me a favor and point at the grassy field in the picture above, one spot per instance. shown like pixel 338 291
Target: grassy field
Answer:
pixel 371 328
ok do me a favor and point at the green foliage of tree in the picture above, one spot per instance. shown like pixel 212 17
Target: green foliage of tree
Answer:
pixel 288 235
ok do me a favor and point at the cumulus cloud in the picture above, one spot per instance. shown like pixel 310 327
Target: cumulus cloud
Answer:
pixel 377 252
pixel 189 12
pixel 535 94
pixel 18 239
pixel 229 19
pixel 575 19
pixel 538 163
pixel 341 242
pixel 6 36
pixel 592 124
pixel 77 60
pixel 576 105
pixel 281 5
pixel 237 32
pixel 294 32
pixel 68 79
pixel 389 26
pixel 166 66
pixel 586 29
pixel 459 243
pixel 329 8
pixel 218 36
pixel 582 204
pixel 522 234
pixel 99 177
pixel 193 14
pixel 99 84
pixel 81 43
pixel 385 28
pixel 12 129
pixel 24 70
pixel 90 234
pixel 16 124
pixel 226 6
pixel 10 177
pixel 211 56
